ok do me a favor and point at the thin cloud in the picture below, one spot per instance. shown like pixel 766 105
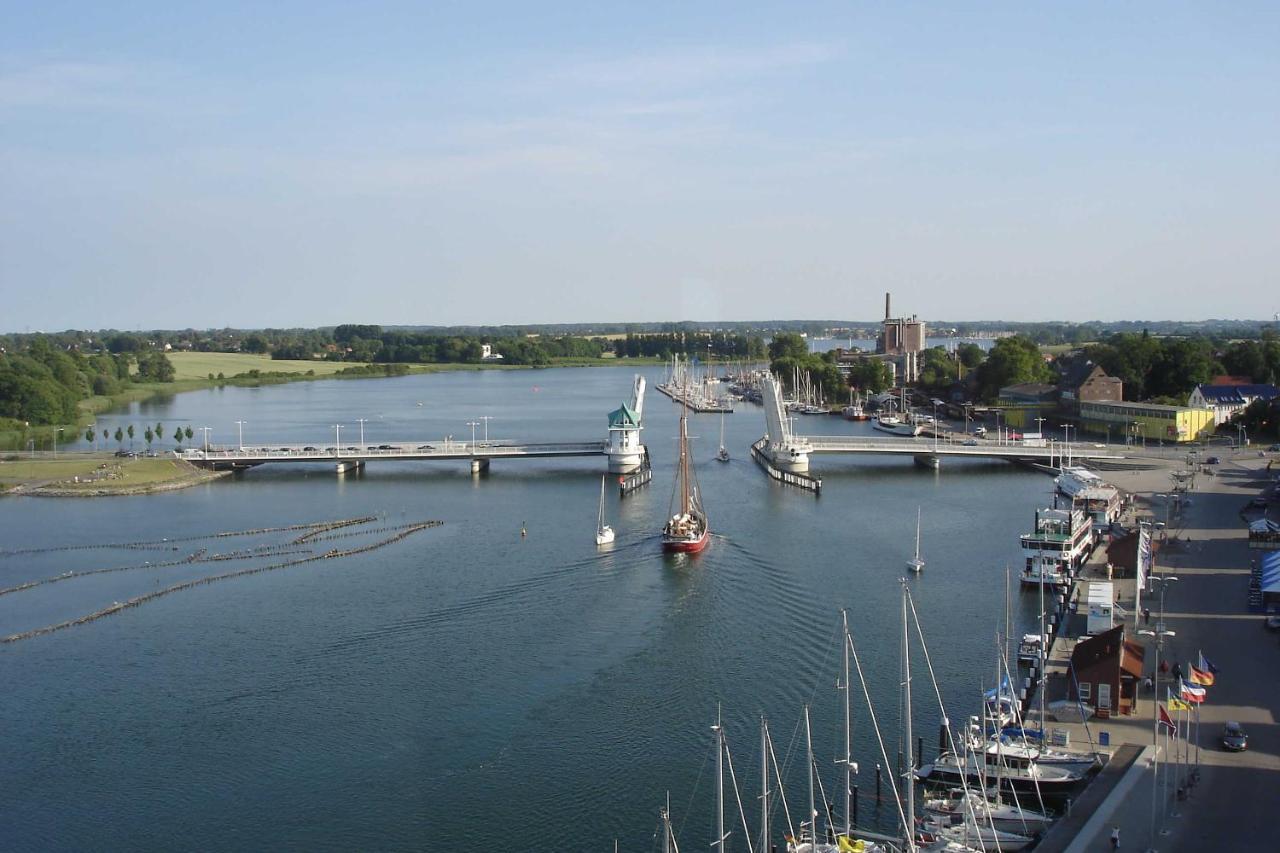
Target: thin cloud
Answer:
pixel 694 66
pixel 68 84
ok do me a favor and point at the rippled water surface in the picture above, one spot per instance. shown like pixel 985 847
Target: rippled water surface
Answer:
pixel 467 684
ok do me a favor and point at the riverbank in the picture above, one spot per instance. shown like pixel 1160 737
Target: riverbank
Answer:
pixel 200 371
pixel 82 475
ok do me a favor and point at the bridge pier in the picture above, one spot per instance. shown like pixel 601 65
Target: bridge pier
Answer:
pixel 928 460
pixel 349 465
pixel 479 466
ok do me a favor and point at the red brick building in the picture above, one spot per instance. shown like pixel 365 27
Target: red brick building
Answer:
pixel 1105 673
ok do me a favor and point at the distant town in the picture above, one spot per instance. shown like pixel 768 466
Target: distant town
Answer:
pixel 1161 382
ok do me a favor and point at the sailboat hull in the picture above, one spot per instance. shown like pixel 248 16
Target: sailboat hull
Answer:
pixel 685 544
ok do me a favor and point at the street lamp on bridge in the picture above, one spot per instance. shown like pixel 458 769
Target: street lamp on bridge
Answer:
pixel 240 427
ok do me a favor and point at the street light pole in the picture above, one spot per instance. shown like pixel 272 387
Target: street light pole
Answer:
pixel 240 427
pixel 487 418
pixel 206 430
pixel 1159 634
pixel 337 440
pixel 1066 431
pixel 473 425
pixel 55 441
pixel 362 420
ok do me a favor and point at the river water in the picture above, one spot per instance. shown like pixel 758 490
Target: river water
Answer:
pixel 467 686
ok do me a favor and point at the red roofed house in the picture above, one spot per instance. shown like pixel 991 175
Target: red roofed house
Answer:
pixel 1105 672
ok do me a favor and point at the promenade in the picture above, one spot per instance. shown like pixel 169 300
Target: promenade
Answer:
pixel 1233 805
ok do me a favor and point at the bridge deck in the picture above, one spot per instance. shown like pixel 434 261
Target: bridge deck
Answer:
pixel 928 446
pixel 400 451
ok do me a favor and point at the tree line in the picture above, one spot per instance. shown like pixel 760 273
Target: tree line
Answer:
pixel 43 384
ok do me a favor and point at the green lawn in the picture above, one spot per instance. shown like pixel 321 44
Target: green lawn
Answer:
pixel 198 365
pixel 62 472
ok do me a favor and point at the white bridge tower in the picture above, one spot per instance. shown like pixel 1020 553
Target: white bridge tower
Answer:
pixel 626 453
pixel 787 451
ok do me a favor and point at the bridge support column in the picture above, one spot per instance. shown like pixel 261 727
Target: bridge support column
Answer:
pixel 479 466
pixel 928 460
pixel 350 465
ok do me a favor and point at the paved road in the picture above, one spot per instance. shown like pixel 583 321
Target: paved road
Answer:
pixel 1236 804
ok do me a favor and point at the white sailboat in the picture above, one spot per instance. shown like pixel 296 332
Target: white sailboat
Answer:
pixel 916 565
pixel 723 455
pixel 604 533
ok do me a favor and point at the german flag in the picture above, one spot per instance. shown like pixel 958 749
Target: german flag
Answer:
pixel 1199 676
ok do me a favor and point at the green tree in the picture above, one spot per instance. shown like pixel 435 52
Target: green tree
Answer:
pixel 130 432
pixel 971 355
pixel 88 435
pixel 870 375
pixel 149 435
pixel 189 433
pixel 119 436
pixel 1011 361
pixel 159 432
pixel 177 437
pixel 788 345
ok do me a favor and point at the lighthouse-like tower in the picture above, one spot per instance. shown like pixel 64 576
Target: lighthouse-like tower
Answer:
pixel 626 453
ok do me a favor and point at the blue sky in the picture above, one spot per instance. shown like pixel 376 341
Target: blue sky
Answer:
pixel 450 163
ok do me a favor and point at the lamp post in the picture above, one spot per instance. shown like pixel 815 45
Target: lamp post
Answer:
pixel 240 427
pixel 362 420
pixel 1040 425
pixel 1141 429
pixel 473 425
pixel 1066 432
pixel 487 418
pixel 1159 634
pixel 999 433
pixel 55 441
pixel 337 440
pixel 206 430
pixel 935 426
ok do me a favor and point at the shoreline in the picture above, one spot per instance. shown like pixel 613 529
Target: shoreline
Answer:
pixel 105 476
pixel 15 440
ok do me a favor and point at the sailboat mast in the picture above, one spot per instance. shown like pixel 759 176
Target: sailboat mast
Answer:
pixel 909 781
pixel 666 826
pixel 813 812
pixel 764 784
pixel 684 462
pixel 848 725
pixel 917 533
pixel 719 730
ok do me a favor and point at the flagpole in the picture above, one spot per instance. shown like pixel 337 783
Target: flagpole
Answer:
pixel 1177 768
pixel 1197 739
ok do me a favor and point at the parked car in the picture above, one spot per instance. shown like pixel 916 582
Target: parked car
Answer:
pixel 311 449
pixel 973 442
pixel 1212 460
pixel 125 454
pixel 1234 737
pixel 426 447
pixel 1275 448
pixel 980 431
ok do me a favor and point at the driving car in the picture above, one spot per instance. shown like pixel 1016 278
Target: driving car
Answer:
pixel 1212 460
pixel 1234 737
pixel 973 442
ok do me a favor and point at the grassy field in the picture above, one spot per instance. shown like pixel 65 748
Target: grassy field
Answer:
pixel 95 471
pixel 198 365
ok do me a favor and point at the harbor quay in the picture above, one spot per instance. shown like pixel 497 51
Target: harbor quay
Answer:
pixel 1204 797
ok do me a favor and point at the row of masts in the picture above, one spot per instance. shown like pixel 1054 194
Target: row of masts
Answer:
pixel 973 805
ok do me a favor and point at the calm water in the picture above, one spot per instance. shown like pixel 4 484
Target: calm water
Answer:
pixel 468 685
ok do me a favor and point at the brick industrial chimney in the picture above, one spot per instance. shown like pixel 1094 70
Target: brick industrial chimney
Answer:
pixel 886 306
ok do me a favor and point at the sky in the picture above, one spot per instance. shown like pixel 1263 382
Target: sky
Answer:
pixel 303 164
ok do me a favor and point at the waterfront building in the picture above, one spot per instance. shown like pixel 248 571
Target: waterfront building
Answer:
pixel 1085 382
pixel 1106 668
pixel 1146 421
pixel 901 339
pixel 1024 403
pixel 1227 400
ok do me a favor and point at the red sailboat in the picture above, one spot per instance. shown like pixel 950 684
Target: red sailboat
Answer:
pixel 686 530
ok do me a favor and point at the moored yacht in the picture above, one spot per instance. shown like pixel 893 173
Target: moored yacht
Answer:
pixel 1059 544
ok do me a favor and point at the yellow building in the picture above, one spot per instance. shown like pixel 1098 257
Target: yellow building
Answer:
pixel 1146 421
